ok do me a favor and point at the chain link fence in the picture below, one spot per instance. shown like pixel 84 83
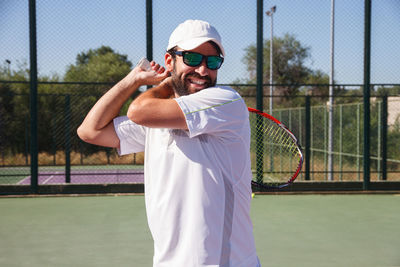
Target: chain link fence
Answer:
pixel 84 48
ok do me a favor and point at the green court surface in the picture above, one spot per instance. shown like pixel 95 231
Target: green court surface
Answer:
pixel 290 230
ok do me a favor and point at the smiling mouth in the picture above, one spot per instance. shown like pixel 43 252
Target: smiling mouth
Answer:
pixel 199 82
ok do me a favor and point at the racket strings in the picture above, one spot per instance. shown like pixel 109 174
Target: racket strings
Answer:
pixel 280 138
pixel 276 154
pixel 280 150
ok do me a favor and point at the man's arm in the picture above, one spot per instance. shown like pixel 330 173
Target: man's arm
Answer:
pixel 97 128
pixel 155 108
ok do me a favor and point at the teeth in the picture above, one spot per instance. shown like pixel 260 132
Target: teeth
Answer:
pixel 198 82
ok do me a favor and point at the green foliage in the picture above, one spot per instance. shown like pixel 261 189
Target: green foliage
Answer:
pixel 14 109
pixel 288 61
pixel 392 90
pixel 101 65
pixel 289 69
pixel 348 132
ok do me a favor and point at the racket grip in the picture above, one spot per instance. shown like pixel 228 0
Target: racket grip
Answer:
pixel 144 64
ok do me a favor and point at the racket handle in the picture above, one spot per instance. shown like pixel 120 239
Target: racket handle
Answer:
pixel 144 64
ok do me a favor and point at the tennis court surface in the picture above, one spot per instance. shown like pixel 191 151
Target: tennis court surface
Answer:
pixel 86 177
pixel 102 174
pixel 290 230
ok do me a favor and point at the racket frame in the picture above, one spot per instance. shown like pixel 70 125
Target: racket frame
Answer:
pixel 293 177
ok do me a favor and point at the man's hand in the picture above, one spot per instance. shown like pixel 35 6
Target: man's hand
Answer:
pixel 141 77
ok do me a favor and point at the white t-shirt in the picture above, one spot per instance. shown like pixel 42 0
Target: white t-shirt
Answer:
pixel 198 182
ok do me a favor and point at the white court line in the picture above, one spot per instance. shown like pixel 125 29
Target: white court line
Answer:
pixel 23 180
pixel 51 177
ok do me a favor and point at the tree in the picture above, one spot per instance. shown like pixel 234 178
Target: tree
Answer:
pixel 97 70
pixel 392 90
pixel 14 108
pixel 289 69
pixel 101 65
pixel 61 107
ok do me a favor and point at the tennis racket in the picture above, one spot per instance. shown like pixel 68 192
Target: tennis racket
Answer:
pixel 275 151
pixel 144 64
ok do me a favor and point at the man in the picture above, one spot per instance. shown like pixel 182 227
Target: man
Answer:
pixel 196 139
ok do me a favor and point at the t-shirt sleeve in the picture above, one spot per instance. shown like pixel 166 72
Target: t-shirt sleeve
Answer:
pixel 131 136
pixel 215 110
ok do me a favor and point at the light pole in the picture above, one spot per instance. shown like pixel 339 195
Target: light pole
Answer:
pixel 331 92
pixel 270 13
pixel 9 63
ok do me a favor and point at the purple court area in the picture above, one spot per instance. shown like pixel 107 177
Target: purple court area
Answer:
pixel 89 177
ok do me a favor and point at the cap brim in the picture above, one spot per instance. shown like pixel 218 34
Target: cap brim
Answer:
pixel 194 43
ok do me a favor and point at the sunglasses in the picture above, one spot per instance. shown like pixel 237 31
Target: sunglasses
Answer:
pixel 193 59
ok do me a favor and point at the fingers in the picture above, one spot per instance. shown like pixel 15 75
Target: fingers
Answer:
pixel 157 67
pixel 161 72
pixel 154 75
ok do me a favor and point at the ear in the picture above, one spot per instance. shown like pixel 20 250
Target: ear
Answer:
pixel 169 62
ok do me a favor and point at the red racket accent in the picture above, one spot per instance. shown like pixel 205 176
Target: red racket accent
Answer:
pixel 277 154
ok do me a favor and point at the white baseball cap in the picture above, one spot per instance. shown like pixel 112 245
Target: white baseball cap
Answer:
pixel 193 33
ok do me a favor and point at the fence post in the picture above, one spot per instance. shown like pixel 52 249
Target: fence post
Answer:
pixel 27 144
pixel 149 32
pixel 260 93
pixel 307 138
pixel 367 88
pixel 149 29
pixel 67 116
pixel 384 126
pixel 33 95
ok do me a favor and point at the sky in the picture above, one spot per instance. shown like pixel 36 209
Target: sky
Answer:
pixel 68 27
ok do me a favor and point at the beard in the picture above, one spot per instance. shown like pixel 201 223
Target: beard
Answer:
pixel 181 83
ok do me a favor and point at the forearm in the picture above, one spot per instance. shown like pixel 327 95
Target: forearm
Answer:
pixel 109 105
pixel 162 91
pixel 143 104
pixel 156 108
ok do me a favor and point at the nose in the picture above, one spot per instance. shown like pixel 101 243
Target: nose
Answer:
pixel 202 68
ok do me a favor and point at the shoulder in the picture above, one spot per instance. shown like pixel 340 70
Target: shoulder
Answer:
pixel 226 98
pixel 220 91
pixel 214 101
pixel 212 96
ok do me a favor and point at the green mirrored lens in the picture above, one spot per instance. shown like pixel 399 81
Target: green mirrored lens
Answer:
pixel 214 62
pixel 192 59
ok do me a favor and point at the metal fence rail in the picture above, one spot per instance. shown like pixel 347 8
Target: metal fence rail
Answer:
pixel 62 153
